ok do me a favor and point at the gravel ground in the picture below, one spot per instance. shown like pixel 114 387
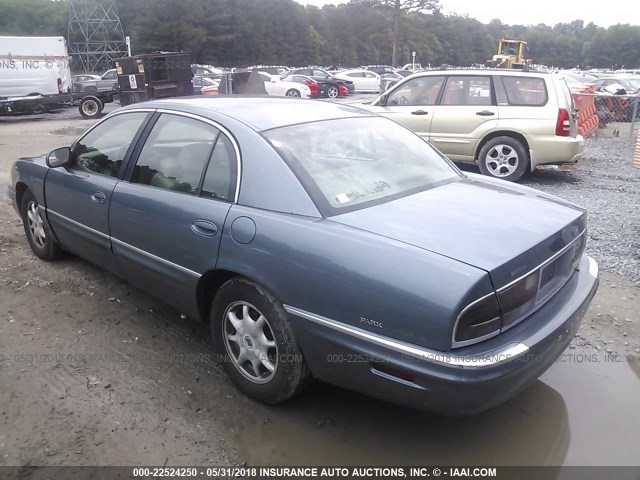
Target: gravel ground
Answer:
pixel 608 185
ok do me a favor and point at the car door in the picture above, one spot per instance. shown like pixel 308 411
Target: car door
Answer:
pixel 465 113
pixel 371 82
pixel 167 220
pixel 77 196
pixel 412 103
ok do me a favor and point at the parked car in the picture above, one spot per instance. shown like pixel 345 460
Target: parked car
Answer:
pixel 270 69
pixel 274 86
pixel 106 82
pixel 201 84
pixel 506 121
pixel 631 84
pixel 320 87
pixel 363 80
pixel 387 80
pixel 309 234
pixel 206 71
pixel 412 66
pixel 320 74
pixel 379 69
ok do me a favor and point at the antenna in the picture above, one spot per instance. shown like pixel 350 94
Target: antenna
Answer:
pixel 95 36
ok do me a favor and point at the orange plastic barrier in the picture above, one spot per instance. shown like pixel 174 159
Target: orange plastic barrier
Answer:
pixel 636 155
pixel 584 98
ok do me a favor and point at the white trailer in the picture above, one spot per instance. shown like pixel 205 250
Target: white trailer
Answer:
pixel 31 66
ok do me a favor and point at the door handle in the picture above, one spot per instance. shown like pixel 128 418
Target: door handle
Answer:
pixel 204 228
pixel 485 113
pixel 99 197
pixel 419 112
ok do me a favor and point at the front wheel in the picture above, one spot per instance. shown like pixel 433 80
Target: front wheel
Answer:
pixel 39 236
pixel 255 344
pixel 505 158
pixel 293 93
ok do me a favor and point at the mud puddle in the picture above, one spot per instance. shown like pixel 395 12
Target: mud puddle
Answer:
pixel 584 411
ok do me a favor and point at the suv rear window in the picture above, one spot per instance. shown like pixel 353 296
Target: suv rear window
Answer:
pixel 525 91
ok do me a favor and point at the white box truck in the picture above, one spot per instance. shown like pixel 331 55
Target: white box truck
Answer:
pixel 32 66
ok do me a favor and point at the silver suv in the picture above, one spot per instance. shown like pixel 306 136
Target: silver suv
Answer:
pixel 508 121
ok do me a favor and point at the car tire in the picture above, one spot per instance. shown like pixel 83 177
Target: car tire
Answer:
pixel 505 158
pixel 39 236
pixel 333 91
pixel 293 93
pixel 246 349
pixel 90 107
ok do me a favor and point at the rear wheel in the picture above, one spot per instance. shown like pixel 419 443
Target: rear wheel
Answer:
pixel 505 158
pixel 39 236
pixel 293 93
pixel 255 343
pixel 333 91
pixel 90 107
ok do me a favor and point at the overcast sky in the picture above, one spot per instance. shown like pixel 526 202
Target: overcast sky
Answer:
pixel 538 11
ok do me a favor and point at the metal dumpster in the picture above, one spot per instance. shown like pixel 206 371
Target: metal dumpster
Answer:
pixel 154 75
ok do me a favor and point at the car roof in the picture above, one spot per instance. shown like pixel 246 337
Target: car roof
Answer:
pixel 485 71
pixel 259 112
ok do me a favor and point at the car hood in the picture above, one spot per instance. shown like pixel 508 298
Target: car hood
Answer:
pixel 504 229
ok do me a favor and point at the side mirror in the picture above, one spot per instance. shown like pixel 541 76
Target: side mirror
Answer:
pixel 59 157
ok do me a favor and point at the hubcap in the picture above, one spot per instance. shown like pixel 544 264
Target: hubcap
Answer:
pixel 293 93
pixel 249 341
pixel 332 92
pixel 502 160
pixel 36 225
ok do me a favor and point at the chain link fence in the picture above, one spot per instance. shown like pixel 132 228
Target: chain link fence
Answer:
pixel 608 116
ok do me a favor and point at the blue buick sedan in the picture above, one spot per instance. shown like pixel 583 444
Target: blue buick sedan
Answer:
pixel 320 241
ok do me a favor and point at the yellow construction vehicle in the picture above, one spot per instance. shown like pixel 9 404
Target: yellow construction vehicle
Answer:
pixel 510 54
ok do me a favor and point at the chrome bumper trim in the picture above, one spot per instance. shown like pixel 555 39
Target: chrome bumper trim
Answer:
pixel 487 359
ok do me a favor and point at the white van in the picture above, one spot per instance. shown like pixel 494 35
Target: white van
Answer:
pixel 34 66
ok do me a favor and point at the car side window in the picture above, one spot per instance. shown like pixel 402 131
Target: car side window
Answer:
pixel 102 150
pixel 110 76
pixel 356 74
pixel 421 91
pixel 220 178
pixel 467 90
pixel 370 74
pixel 525 91
pixel 175 154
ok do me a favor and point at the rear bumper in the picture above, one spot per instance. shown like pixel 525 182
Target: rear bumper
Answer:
pixel 553 149
pixel 460 382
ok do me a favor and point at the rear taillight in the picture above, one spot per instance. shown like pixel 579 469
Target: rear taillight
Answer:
pixel 59 85
pixel 563 125
pixel 478 321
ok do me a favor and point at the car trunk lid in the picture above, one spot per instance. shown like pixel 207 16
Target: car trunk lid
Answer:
pixel 506 230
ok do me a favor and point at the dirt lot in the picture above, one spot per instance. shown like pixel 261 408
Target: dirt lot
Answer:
pixel 96 373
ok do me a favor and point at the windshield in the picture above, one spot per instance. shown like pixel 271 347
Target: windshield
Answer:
pixel 635 82
pixel 352 163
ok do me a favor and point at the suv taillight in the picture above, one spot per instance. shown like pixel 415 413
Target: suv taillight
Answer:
pixel 563 125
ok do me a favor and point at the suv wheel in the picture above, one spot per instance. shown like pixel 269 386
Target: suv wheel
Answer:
pixel 505 158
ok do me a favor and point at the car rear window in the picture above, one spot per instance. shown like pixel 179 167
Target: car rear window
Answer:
pixel 526 91
pixel 347 164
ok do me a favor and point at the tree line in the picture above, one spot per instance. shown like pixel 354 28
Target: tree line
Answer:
pixel 283 32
